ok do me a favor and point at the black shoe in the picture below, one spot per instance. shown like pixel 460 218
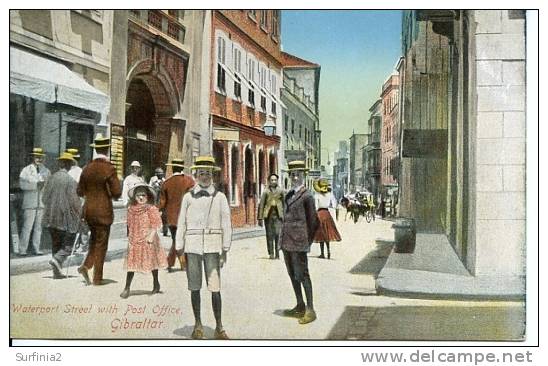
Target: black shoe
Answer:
pixel 321 256
pixel 84 272
pixel 328 255
pixel 155 290
pixel 169 269
pixel 125 293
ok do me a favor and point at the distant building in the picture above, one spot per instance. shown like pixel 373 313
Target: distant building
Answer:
pixel 341 170
pixel 372 151
pixel 390 133
pixel 301 137
pixel 357 142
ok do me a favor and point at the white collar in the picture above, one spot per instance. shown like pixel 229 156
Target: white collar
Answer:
pixel 197 188
pixel 101 156
pixel 178 173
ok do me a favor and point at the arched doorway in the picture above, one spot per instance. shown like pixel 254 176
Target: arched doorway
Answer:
pixel 249 186
pixel 149 112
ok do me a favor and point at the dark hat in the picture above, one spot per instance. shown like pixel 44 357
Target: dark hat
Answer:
pixel 297 165
pixel 177 162
pixel 205 162
pixel 37 151
pixel 100 141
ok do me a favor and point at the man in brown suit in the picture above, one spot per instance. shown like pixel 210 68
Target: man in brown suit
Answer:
pixel 98 184
pixel 171 196
pixel 300 224
pixel 271 213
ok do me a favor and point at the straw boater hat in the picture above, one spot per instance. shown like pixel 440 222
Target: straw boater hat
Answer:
pixel 66 156
pixel 135 163
pixel 74 152
pixel 297 165
pixel 100 141
pixel 37 151
pixel 205 162
pixel 177 162
pixel 321 185
pixel 149 190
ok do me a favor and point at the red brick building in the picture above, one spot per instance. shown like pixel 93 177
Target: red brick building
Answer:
pixel 246 75
pixel 390 131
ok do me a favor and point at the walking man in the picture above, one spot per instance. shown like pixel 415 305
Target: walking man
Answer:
pixel 300 224
pixel 271 213
pixel 98 184
pixel 171 195
pixel 204 234
pixel 61 213
pixel 131 180
pixel 31 181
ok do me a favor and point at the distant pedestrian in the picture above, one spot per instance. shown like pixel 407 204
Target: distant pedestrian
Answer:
pixel 271 213
pixel 145 254
pixel 61 213
pixel 131 180
pixel 171 196
pixel 156 182
pixel 32 180
pixel 300 224
pixel 204 235
pixel 327 230
pixel 98 184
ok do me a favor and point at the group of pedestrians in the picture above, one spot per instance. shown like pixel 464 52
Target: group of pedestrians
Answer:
pixel 196 213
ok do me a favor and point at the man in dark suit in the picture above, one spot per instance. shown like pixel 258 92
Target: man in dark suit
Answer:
pixel 300 224
pixel 98 184
pixel 171 196
pixel 271 212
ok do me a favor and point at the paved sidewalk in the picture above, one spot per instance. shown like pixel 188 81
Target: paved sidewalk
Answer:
pixel 434 271
pixel 116 249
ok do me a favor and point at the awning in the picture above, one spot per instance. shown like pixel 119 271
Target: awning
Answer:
pixel 39 78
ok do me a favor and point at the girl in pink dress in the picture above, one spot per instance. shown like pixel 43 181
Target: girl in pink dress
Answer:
pixel 144 254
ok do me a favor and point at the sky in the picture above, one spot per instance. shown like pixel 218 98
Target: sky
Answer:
pixel 357 51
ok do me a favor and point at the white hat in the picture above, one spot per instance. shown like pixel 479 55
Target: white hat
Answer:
pixel 135 163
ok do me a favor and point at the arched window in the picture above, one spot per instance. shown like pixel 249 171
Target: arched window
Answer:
pixel 234 167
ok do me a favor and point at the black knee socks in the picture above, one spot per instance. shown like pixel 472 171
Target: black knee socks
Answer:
pixel 217 306
pixel 129 278
pixel 195 299
pixel 307 284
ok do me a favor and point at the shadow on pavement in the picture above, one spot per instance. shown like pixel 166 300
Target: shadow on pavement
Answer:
pixel 432 323
pixel 186 332
pixel 375 260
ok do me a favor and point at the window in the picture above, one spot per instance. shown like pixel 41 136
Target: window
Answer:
pixel 251 97
pixel 251 69
pixel 286 122
pixel 274 108
pixel 262 77
pixel 237 60
pixel 221 78
pixel 264 19
pixel 252 14
pixel 273 82
pixel 300 131
pixel 292 126
pixel 237 87
pixel 221 50
pixel 275 23
pixel 263 103
pixel 306 135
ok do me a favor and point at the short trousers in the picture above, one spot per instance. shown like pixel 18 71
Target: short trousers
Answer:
pixel 211 263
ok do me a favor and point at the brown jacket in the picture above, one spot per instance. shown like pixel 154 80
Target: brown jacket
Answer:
pixel 99 184
pixel 172 194
pixel 300 221
pixel 270 199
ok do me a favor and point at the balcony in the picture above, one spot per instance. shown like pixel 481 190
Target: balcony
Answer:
pixel 161 21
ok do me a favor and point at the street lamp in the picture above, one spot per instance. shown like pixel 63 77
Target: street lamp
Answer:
pixel 269 127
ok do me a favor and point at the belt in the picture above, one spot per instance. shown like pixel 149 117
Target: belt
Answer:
pixel 203 231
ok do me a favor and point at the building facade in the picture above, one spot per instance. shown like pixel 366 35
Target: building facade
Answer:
pixel 159 78
pixel 341 170
pixel 390 133
pixel 372 152
pixel 463 143
pixel 356 179
pixel 245 106
pixel 301 137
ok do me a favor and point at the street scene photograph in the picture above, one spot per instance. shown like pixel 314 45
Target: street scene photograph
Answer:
pixel 269 175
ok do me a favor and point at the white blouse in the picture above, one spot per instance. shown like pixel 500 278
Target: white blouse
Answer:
pixel 325 200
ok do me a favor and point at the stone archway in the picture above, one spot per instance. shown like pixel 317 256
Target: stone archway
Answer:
pixel 150 108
